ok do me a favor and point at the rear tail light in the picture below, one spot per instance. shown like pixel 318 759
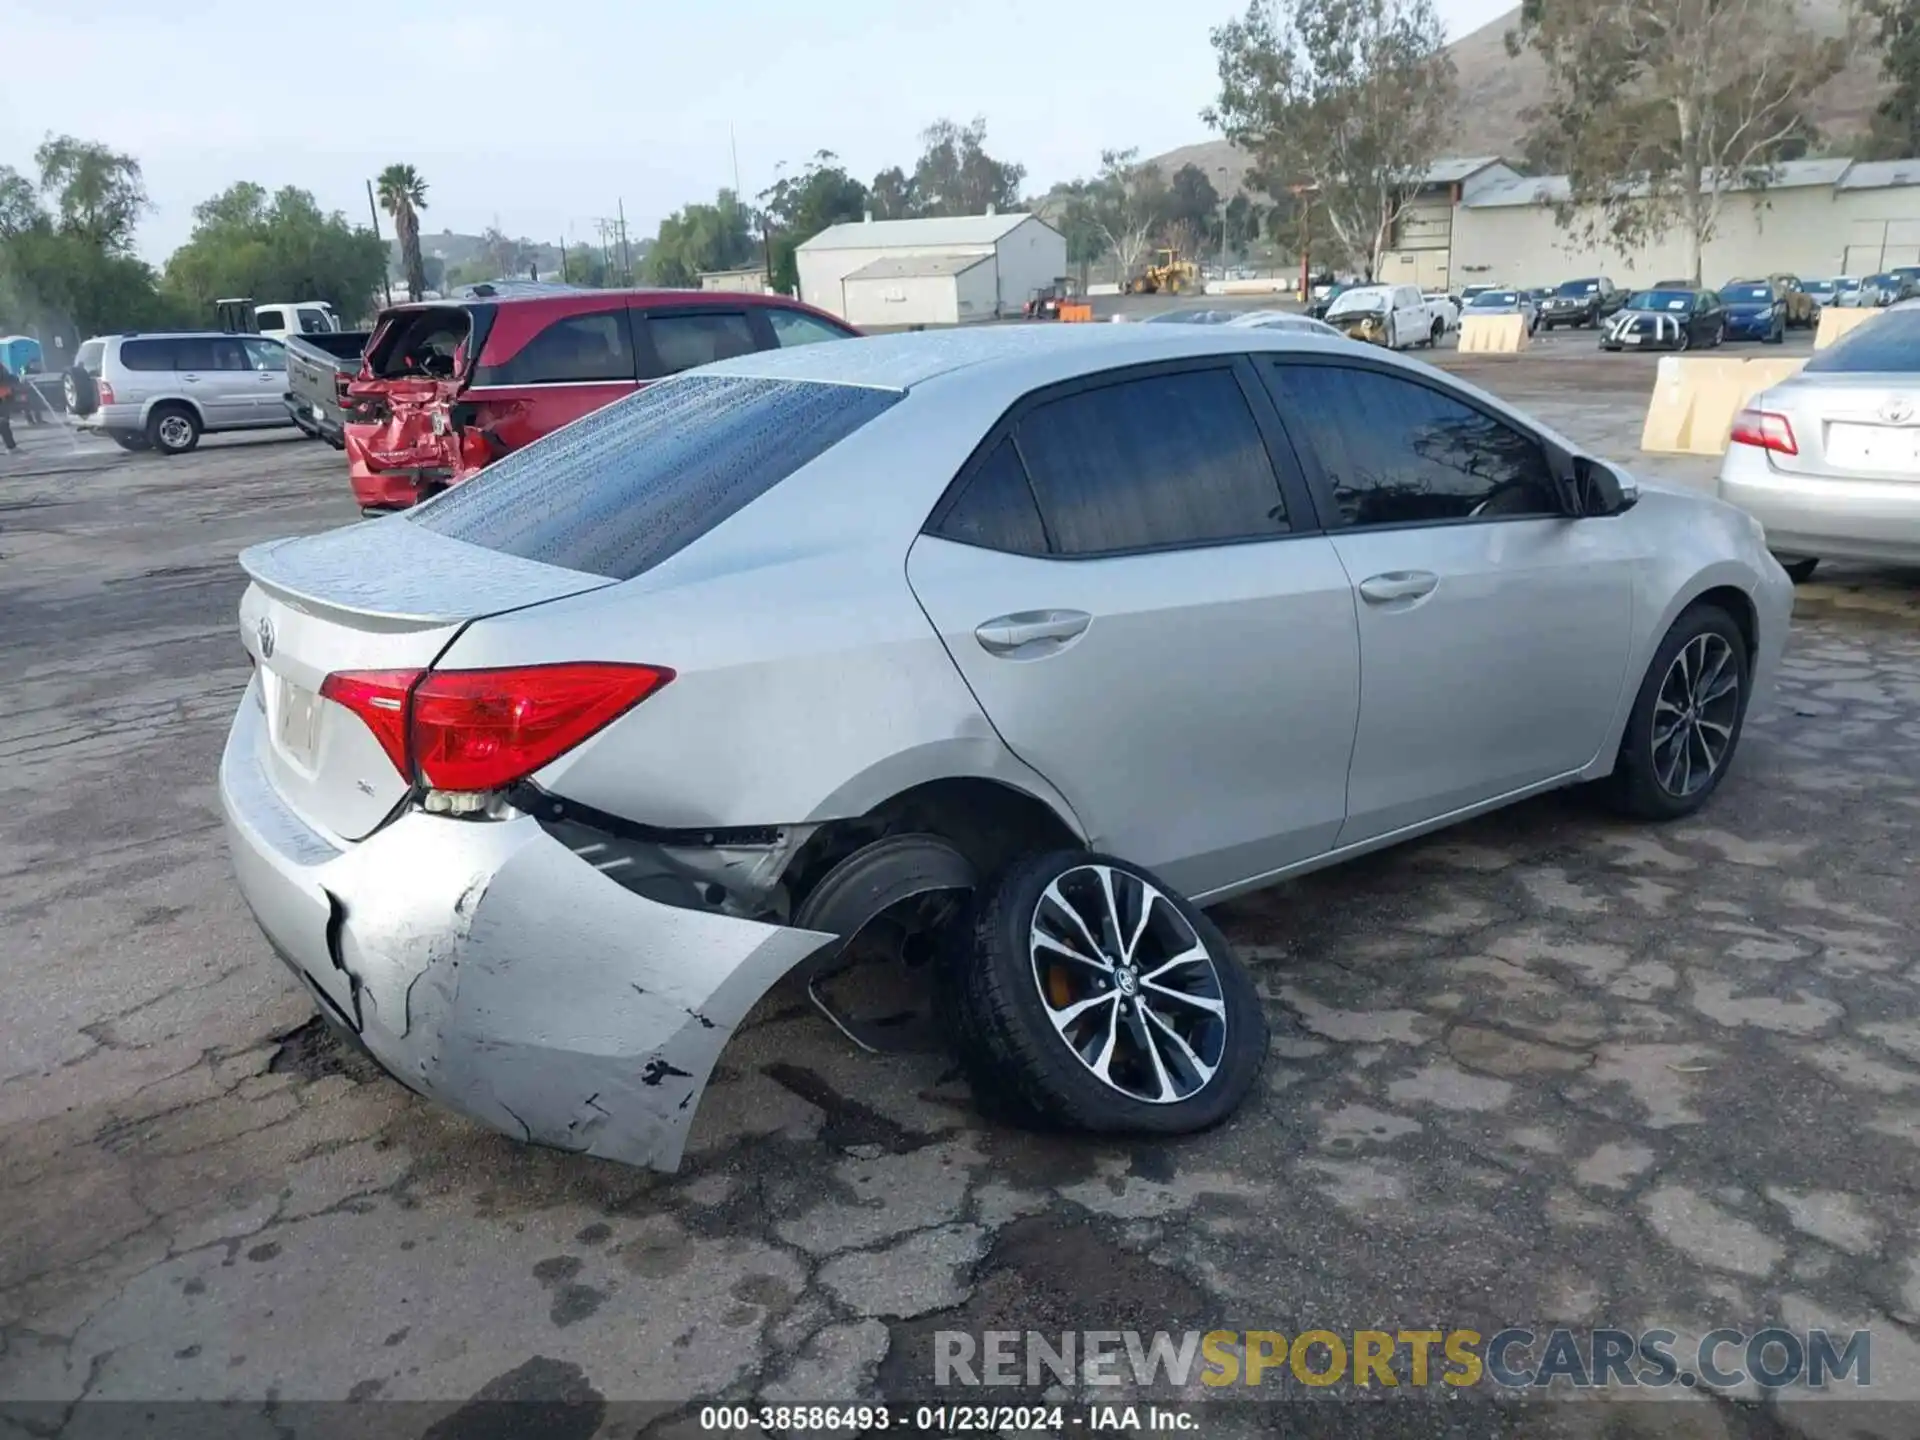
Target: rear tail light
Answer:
pixel 105 390
pixel 1765 430
pixel 379 698
pixel 478 730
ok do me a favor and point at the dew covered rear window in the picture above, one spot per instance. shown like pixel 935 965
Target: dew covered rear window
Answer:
pixel 1887 344
pixel 632 484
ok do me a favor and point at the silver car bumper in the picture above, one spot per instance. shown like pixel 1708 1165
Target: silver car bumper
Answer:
pixel 1818 515
pixel 111 417
pixel 489 968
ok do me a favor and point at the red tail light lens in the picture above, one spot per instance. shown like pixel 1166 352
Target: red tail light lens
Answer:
pixel 379 698
pixel 1764 429
pixel 473 730
pixel 105 390
pixel 484 729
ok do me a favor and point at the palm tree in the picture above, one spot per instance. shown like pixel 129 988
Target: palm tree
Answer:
pixel 403 195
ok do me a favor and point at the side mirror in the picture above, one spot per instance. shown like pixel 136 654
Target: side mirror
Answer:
pixel 1600 489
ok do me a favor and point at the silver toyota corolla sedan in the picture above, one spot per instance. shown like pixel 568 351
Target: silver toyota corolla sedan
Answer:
pixel 1013 646
pixel 1829 460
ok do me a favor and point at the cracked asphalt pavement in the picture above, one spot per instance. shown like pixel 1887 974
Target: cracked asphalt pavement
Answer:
pixel 1546 1068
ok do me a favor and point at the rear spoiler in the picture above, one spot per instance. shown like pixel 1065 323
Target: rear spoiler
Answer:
pixel 393 574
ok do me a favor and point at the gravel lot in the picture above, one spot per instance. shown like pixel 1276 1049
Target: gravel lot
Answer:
pixel 1542 1069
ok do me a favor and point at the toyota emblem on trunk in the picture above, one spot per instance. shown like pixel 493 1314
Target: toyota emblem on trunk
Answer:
pixel 1897 412
pixel 265 632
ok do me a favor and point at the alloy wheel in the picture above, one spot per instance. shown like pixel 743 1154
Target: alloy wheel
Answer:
pixel 1128 985
pixel 1694 715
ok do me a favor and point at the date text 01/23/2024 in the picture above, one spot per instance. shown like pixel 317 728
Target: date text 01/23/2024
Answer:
pixel 943 1419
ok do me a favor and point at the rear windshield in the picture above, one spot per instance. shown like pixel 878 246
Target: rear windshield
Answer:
pixel 636 482
pixel 89 355
pixel 419 344
pixel 1887 344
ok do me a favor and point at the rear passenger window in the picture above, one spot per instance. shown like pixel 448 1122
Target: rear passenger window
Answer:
pixel 574 348
pixel 225 353
pixel 147 355
pixel 696 337
pixel 1162 460
pixel 996 509
pixel 270 319
pixel 1401 453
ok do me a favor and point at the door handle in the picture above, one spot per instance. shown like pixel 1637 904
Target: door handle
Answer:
pixel 1008 633
pixel 191 379
pixel 1398 585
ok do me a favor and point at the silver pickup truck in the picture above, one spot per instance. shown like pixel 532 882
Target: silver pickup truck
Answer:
pixel 319 368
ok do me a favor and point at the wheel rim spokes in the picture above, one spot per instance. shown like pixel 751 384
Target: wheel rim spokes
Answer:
pixel 1694 715
pixel 1128 985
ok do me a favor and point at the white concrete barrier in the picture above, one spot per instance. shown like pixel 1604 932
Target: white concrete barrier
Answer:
pixel 1273 285
pixel 1109 288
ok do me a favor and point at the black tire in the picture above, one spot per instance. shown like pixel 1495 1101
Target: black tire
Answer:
pixel 173 429
pixel 1799 568
pixel 1024 1069
pixel 83 396
pixel 1636 787
pixel 129 440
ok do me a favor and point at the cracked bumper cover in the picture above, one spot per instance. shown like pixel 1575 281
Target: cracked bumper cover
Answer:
pixel 492 970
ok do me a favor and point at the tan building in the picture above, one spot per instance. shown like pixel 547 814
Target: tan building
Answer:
pixel 752 281
pixel 1419 252
pixel 1814 218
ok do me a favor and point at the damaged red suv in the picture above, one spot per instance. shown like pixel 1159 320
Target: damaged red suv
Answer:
pixel 448 387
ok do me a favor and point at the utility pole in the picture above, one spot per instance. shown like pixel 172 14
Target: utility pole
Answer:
pixel 563 260
pixel 386 261
pixel 626 260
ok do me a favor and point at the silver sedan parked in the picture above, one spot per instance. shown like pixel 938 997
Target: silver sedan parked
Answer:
pixel 1011 648
pixel 1829 460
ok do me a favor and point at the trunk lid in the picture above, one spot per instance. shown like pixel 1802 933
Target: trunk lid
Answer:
pixel 1861 425
pixel 385 595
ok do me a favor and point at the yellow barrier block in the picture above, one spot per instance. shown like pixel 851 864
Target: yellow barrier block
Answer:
pixel 1835 322
pixel 1695 398
pixel 1693 404
pixel 1493 334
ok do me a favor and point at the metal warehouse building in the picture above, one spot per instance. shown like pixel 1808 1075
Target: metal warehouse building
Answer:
pixel 1812 218
pixel 878 273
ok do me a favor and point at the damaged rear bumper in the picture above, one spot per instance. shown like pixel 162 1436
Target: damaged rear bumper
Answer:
pixel 489 968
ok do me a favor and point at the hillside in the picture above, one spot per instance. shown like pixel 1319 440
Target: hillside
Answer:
pixel 1495 93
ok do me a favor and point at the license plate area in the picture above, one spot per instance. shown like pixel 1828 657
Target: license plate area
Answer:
pixel 1886 449
pixel 296 722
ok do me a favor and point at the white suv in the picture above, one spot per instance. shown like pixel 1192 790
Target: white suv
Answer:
pixel 163 392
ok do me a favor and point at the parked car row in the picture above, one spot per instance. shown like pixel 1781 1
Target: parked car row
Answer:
pixel 435 391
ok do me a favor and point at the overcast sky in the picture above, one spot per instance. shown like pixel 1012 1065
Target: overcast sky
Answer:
pixel 541 117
